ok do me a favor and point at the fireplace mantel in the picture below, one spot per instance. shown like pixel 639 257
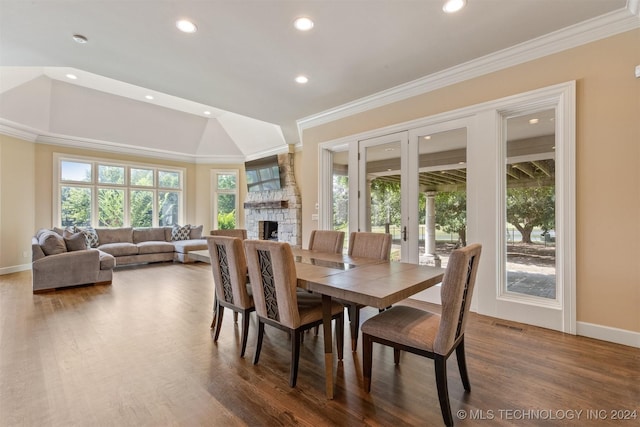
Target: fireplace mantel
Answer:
pixel 268 204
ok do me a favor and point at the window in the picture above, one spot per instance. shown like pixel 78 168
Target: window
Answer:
pixel 225 199
pixel 92 192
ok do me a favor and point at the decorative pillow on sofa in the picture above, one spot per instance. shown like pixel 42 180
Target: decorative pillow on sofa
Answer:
pixel 196 232
pixel 52 243
pixel 91 237
pixel 180 233
pixel 74 241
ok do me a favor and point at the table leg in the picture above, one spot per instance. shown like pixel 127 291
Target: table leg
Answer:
pixel 328 344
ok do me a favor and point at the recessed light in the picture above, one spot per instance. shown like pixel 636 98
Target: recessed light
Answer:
pixel 148 96
pixel 79 38
pixel 451 6
pixel 427 137
pixel 302 79
pixel 71 76
pixel 186 26
pixel 207 113
pixel 303 23
pixel 533 121
pixel 389 149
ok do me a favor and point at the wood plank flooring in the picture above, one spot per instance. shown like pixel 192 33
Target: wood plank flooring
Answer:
pixel 140 352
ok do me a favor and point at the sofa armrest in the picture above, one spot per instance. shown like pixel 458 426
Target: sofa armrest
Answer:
pixel 66 269
pixel 36 250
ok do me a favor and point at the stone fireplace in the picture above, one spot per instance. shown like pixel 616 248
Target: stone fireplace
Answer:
pixel 282 207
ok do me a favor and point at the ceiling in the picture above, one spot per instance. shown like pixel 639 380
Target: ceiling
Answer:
pixel 240 65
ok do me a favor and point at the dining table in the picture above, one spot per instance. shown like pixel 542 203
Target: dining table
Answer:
pixel 365 281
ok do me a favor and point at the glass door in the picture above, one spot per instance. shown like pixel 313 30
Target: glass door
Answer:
pixel 382 204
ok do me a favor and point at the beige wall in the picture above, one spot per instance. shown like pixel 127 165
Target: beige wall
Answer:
pixel 17 202
pixel 607 161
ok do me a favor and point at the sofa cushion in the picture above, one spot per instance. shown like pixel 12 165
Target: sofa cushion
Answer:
pixel 180 233
pixel 91 236
pixel 195 232
pixel 119 249
pixel 52 243
pixel 148 234
pixel 115 235
pixel 184 246
pixel 74 241
pixel 154 247
pixel 107 261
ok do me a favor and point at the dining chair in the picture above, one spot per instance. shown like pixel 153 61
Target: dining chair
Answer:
pixel 272 273
pixel 365 245
pixel 239 233
pixel 326 241
pixel 428 334
pixel 229 268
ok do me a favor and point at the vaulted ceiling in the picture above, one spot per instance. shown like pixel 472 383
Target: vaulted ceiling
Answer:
pixel 240 65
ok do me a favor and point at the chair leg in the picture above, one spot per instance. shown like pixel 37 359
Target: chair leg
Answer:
pixel 215 310
pixel 340 335
pixel 256 357
pixel 246 317
pixel 462 365
pixel 396 356
pixel 440 363
pixel 354 315
pixel 235 317
pixel 367 353
pixel 296 336
pixel 219 316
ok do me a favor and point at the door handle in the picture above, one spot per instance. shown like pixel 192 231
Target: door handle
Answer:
pixel 404 233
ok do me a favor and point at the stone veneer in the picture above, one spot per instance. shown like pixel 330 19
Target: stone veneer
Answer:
pixel 282 206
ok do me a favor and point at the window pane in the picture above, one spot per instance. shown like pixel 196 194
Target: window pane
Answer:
pixel 75 171
pixel 142 177
pixel 110 174
pixel 226 211
pixel 75 206
pixel 110 207
pixel 226 181
pixel 141 208
pixel 168 204
pixel 531 205
pixel 169 179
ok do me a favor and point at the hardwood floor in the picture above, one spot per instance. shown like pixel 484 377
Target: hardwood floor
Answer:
pixel 140 352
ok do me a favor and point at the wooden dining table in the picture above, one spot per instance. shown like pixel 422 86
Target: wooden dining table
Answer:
pixel 363 281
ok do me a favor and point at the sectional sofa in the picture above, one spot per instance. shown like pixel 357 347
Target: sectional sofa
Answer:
pixel 76 256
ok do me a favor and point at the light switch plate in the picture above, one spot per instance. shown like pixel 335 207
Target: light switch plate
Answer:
pixel 637 71
pixel 314 217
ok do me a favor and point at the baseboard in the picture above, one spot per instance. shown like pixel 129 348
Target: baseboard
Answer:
pixel 606 333
pixel 15 269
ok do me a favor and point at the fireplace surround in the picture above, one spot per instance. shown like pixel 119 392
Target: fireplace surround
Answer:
pixel 280 206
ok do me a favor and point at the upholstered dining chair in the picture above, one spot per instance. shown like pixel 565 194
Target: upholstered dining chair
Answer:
pixel 326 241
pixel 365 245
pixel 229 268
pixel 428 334
pixel 272 273
pixel 239 233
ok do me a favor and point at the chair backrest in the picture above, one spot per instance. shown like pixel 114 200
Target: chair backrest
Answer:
pixel 229 268
pixel 457 289
pixel 272 273
pixel 370 245
pixel 239 233
pixel 326 241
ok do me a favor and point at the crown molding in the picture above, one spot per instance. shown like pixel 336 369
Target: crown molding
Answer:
pixel 17 131
pixel 269 152
pixel 219 160
pixel 604 26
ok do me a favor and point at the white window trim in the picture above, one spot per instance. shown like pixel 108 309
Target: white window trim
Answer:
pixel 94 185
pixel 215 191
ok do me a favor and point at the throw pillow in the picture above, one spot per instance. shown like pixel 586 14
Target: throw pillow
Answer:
pixel 180 233
pixel 91 237
pixel 196 232
pixel 52 243
pixel 74 241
